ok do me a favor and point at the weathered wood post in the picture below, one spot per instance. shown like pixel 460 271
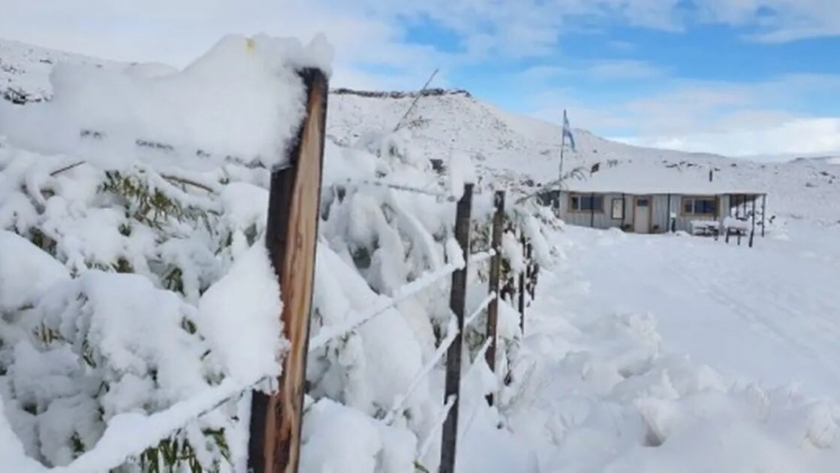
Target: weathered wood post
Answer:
pixel 495 276
pixel 457 303
pixel 291 236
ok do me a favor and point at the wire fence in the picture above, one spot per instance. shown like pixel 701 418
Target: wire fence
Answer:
pixel 114 449
pixel 278 448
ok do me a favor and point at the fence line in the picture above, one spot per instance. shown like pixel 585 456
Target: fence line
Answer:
pixel 274 441
pixel 401 187
pixel 401 294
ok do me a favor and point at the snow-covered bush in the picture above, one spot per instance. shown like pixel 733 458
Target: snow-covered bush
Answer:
pixel 147 281
pixel 379 238
pixel 150 283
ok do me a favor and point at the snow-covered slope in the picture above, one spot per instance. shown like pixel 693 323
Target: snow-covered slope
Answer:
pixel 25 69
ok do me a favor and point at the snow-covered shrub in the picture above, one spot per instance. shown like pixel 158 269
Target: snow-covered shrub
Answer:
pixel 379 238
pixel 117 342
pixel 149 283
pixel 142 239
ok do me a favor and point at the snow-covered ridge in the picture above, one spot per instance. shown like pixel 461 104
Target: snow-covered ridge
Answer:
pixel 513 148
pixel 443 120
pixel 433 92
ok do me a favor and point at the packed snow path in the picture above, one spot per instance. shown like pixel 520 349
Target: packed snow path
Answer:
pixel 770 313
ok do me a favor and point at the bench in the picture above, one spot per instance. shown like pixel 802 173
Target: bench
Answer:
pixel 705 227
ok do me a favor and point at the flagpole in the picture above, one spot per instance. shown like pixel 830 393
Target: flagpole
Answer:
pixel 562 145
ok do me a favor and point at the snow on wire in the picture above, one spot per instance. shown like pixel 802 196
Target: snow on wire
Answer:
pixel 452 332
pixel 403 293
pixel 401 187
pixel 444 413
pixel 486 302
pixel 399 401
pixel 115 446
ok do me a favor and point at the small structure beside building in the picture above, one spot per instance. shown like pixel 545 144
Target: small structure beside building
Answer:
pixel 650 199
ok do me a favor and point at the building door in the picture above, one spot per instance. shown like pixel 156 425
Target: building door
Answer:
pixel 641 214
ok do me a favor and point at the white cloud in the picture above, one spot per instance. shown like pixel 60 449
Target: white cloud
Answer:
pixel 726 118
pixel 803 136
pixel 594 69
pixel 177 32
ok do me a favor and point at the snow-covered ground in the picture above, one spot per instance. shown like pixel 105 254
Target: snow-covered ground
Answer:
pixel 769 314
pixel 658 354
pixel 643 354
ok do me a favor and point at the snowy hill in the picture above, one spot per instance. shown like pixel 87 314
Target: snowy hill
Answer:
pixel 443 121
pixel 440 120
pixel 513 147
pixel 835 160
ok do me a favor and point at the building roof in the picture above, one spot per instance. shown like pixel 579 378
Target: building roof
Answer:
pixel 638 179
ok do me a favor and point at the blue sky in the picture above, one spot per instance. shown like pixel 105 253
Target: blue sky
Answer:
pixel 738 77
pixel 619 67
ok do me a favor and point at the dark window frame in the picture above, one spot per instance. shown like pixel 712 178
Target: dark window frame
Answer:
pixel 576 203
pixel 689 206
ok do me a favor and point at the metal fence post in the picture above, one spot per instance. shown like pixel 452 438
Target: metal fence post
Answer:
pixel 457 303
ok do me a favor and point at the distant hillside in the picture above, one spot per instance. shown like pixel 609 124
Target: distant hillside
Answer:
pixel 433 92
pixel 513 148
pixel 818 159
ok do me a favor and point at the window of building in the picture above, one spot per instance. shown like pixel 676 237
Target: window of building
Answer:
pixel 586 203
pixel 703 206
pixel 618 209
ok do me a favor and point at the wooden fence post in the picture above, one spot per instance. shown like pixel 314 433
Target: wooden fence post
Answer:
pixel 522 289
pixel 457 302
pixel 495 276
pixel 291 238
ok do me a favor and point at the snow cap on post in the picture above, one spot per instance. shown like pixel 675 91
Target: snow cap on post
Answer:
pixel 243 99
pixel 461 172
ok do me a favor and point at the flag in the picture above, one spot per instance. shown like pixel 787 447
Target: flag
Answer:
pixel 567 132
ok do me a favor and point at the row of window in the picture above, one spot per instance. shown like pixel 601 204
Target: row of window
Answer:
pixel 692 206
